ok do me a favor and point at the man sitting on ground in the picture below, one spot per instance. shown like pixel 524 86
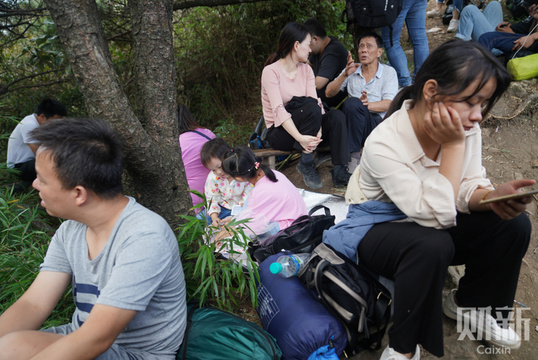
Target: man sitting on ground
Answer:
pixel 121 259
pixel 20 150
pixel 371 87
pixel 328 58
pixel 512 39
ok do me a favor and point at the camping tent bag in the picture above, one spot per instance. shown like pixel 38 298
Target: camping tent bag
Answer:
pixel 214 334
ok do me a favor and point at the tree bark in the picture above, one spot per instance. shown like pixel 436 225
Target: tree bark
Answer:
pixel 153 158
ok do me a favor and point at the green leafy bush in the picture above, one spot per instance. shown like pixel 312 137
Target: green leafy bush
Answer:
pixel 24 238
pixel 210 277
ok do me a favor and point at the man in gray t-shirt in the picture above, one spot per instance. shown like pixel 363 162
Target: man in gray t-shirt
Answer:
pixel 121 259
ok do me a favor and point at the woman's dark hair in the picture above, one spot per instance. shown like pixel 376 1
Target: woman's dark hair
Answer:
pixel 214 148
pixel 241 161
pixel 185 120
pixel 291 33
pixel 455 65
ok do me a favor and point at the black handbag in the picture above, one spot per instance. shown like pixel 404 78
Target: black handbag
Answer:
pixel 302 236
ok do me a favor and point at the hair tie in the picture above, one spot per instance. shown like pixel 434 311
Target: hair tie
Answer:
pixel 256 165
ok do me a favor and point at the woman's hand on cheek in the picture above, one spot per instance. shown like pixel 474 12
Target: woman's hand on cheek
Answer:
pixel 443 124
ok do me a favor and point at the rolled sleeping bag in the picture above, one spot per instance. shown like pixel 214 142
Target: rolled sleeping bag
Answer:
pixel 300 324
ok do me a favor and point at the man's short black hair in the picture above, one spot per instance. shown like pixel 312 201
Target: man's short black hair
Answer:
pixel 372 34
pixel 85 152
pixel 315 28
pixel 49 108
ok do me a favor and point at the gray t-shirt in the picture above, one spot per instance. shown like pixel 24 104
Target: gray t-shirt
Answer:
pixel 138 269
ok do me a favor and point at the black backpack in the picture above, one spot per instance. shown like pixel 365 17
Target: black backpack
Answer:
pixel 518 8
pixel 352 294
pixel 258 138
pixel 372 13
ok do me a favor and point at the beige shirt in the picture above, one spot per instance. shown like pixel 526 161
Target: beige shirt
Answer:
pixel 395 169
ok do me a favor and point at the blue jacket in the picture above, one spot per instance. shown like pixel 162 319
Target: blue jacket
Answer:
pixel 347 234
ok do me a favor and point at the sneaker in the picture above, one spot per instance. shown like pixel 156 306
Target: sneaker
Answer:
pixel 453 26
pixel 433 13
pixel 485 324
pixel 391 354
pixel 310 175
pixel 450 308
pixel 340 177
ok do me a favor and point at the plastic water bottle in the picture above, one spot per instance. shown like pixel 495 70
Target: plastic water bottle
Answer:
pixel 289 265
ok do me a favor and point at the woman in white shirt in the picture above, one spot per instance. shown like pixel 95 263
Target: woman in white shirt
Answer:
pixel 425 158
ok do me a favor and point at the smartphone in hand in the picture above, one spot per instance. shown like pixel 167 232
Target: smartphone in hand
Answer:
pixel 509 197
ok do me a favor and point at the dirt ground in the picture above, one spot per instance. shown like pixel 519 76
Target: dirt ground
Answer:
pixel 510 151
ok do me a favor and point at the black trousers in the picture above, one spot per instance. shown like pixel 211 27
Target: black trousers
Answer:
pixel 360 122
pixel 417 258
pixel 27 171
pixel 333 128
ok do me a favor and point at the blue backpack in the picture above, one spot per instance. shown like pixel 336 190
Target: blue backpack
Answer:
pixel 258 138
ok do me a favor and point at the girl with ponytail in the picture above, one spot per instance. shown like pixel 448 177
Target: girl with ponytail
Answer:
pixel 273 204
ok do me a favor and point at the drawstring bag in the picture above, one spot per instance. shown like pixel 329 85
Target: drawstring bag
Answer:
pixel 524 67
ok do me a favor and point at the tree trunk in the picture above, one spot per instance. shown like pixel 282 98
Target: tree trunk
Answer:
pixel 153 157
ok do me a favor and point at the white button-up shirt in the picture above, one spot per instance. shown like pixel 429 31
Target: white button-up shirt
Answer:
pixel 395 169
